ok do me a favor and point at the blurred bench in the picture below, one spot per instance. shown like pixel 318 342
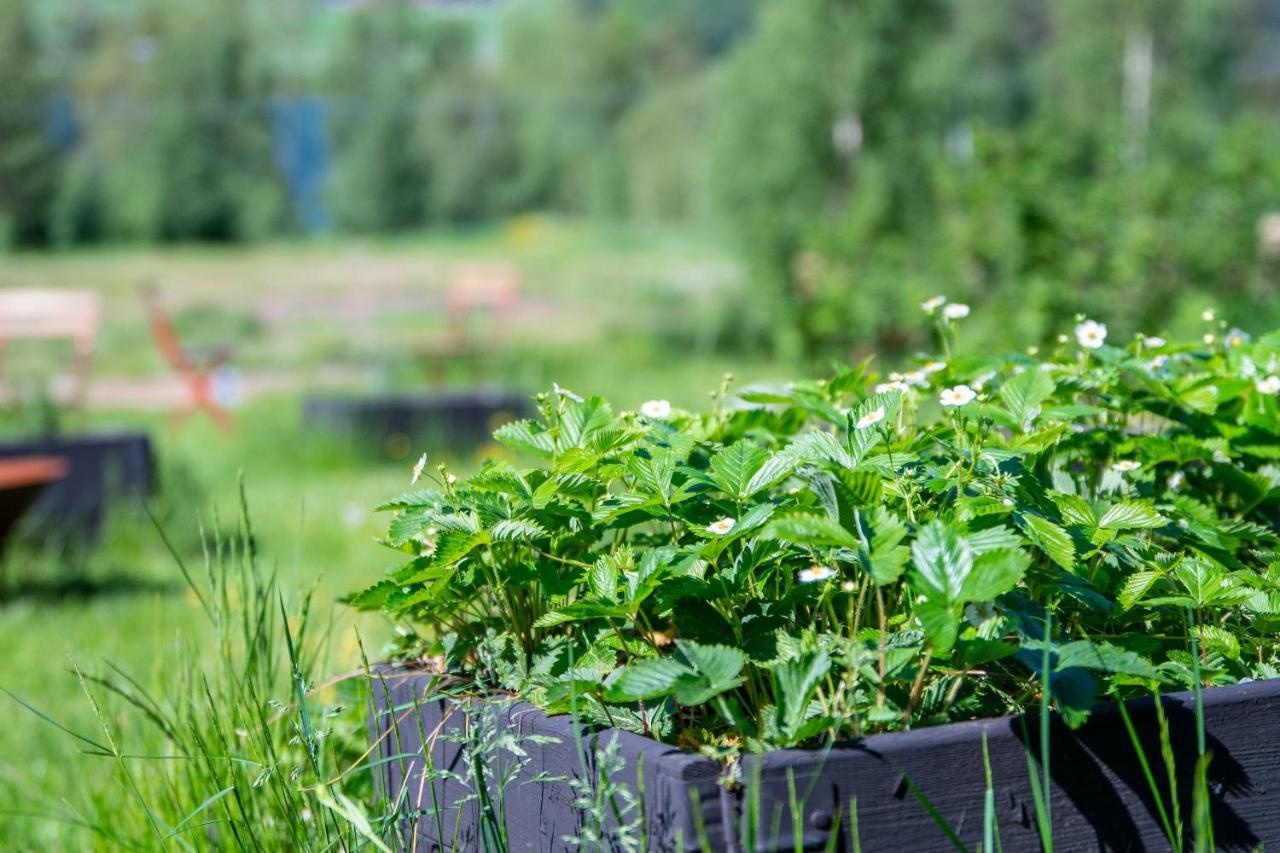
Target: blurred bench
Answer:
pixel 47 313
pixel 478 307
pixel 197 367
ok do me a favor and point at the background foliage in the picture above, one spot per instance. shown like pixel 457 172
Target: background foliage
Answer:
pixel 862 155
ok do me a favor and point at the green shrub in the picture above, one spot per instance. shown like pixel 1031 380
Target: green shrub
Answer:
pixel 863 553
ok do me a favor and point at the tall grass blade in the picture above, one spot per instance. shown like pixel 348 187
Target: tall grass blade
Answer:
pixel 934 814
pixel 1174 835
pixel 990 829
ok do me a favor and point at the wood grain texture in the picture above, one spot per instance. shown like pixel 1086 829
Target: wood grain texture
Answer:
pixel 1099 798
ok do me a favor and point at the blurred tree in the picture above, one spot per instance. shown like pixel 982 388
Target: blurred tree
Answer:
pixel 1046 157
pixel 177 146
pixel 29 148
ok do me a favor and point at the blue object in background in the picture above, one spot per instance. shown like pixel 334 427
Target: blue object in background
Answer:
pixel 300 125
pixel 61 125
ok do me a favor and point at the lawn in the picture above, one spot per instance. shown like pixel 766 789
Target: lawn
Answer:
pixel 643 304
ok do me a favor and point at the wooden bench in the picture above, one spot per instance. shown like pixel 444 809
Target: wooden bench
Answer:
pixel 481 295
pixel 197 368
pixel 47 313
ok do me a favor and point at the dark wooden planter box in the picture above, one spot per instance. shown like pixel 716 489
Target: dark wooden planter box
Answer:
pixel 399 424
pixel 1099 797
pixel 102 468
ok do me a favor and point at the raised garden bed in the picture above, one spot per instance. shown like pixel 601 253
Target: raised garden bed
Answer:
pixel 1099 797
pixel 397 423
pixel 101 469
pixel 22 479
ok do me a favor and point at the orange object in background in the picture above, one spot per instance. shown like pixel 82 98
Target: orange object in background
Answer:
pixel 21 481
pixel 198 373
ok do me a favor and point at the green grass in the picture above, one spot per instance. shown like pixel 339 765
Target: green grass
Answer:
pixel 648 296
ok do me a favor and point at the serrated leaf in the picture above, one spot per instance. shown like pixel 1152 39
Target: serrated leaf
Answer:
pixel 992 539
pixel 1051 539
pixel 604 579
pixel 822 446
pixel 648 678
pixel 526 435
pixel 777 467
pixel 1218 639
pixel 1131 515
pixel 516 529
pixel 407 525
pixel 733 467
pixel 1135 587
pixel 417 499
pixel 374 597
pixel 994 573
pixel 1103 657
pixel 942 560
pixel 815 530
pixel 654 469
pixel 795 682
pixel 719 664
pixel 453 545
pixel 1075 510
pixel 1023 394
pixel 888 558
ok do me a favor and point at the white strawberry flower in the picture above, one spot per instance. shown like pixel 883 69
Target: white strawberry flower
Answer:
pixel 918 378
pixel 1090 334
pixel 657 409
pixel 1208 338
pixel 1124 466
pixel 1270 385
pixel 1175 481
pixel 1153 342
pixel 934 366
pixel 931 305
pixel 961 395
pixel 1247 368
pixel 871 418
pixel 814 574
pixel 1236 339
pixel 896 385
pixel 721 527
pixel 418 468
pixel 1207 315
pixel 955 311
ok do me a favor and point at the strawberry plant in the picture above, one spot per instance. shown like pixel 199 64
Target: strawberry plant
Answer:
pixel 866 553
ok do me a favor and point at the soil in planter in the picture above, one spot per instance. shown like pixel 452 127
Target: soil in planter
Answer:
pixel 663 798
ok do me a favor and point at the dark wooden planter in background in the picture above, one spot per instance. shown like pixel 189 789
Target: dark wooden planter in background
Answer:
pixel 398 425
pixel 1099 797
pixel 101 469
pixel 22 479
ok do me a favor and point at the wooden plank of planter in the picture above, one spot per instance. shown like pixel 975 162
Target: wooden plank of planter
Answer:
pixel 1099 798
pixel 102 467
pixel 22 479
